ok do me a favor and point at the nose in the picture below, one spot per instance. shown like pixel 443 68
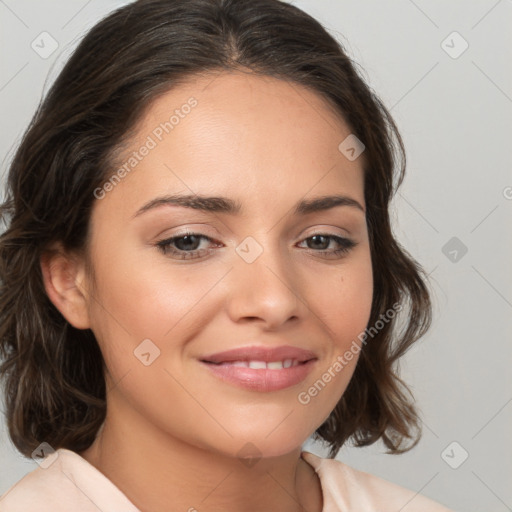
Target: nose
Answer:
pixel 264 291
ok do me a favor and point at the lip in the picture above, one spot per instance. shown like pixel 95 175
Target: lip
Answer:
pixel 263 380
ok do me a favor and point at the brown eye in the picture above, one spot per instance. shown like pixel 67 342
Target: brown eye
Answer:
pixel 184 246
pixel 319 244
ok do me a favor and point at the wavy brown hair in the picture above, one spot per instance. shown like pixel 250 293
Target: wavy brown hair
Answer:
pixel 54 387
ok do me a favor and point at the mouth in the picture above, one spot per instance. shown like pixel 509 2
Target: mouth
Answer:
pixel 258 354
pixel 261 368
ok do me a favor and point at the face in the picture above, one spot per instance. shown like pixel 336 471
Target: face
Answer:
pixel 283 281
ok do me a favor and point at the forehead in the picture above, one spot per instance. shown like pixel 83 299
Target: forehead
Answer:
pixel 238 134
pixel 261 107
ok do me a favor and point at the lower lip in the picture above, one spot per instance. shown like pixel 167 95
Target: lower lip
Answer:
pixel 261 379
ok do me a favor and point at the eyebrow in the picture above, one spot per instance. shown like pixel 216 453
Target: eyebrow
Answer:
pixel 217 204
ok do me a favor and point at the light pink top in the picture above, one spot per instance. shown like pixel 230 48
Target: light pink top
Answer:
pixel 71 484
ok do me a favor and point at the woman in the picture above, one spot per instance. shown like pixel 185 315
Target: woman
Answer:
pixel 198 271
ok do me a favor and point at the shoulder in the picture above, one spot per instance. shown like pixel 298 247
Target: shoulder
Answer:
pixel 348 489
pixel 45 486
pixel 64 481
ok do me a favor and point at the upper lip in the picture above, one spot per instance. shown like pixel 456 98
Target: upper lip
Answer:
pixel 258 353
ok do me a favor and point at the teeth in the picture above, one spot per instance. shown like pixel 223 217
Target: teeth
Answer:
pixel 257 365
pixel 245 364
pixel 262 365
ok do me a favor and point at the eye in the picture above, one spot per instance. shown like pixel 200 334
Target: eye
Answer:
pixel 187 245
pixel 184 246
pixel 322 240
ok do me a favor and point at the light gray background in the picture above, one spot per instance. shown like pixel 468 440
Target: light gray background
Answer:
pixel 455 115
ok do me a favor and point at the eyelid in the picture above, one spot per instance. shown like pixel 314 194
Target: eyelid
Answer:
pixel 323 229
pixel 326 229
pixel 189 229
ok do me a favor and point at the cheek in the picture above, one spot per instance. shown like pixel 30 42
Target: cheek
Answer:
pixel 143 325
pixel 355 302
pixel 148 316
pixel 148 301
pixel 345 311
pixel 345 300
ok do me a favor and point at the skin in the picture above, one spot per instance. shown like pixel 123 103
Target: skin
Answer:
pixel 173 431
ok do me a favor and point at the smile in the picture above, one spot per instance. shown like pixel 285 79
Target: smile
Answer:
pixel 262 365
pixel 262 369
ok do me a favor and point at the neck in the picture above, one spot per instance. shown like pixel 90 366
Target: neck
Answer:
pixel 155 469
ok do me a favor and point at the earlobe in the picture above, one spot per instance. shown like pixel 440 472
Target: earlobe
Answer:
pixel 64 279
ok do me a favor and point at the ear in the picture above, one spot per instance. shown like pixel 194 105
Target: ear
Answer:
pixel 64 280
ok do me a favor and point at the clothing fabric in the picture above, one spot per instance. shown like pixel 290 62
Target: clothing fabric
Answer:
pixel 70 483
pixel 346 489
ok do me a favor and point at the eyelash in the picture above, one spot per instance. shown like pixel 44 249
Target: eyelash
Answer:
pixel 165 245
